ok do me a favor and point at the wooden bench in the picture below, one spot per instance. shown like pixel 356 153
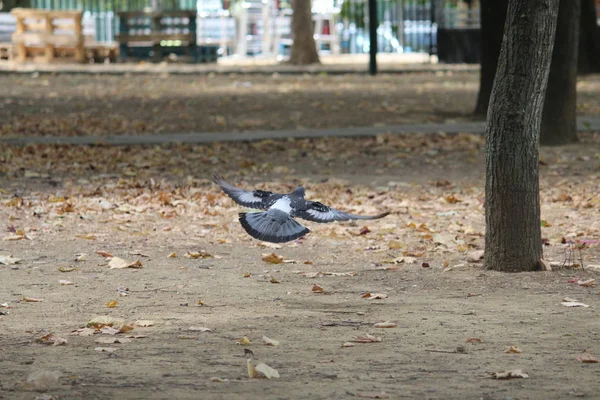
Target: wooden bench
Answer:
pixel 48 36
pixel 161 32
pixel 7 27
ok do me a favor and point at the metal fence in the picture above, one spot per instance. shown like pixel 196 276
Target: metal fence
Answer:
pixel 263 27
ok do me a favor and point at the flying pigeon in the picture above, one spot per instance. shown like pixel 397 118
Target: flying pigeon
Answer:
pixel 276 222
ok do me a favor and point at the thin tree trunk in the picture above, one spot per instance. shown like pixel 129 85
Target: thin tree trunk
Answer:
pixel 493 15
pixel 559 122
pixel 304 49
pixel 589 39
pixel 512 208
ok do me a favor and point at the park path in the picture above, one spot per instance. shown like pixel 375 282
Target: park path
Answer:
pixel 585 124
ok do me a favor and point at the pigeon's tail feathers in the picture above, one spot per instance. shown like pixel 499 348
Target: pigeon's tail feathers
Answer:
pixel 272 226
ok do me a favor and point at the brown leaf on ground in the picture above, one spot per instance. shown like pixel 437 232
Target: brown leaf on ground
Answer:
pixel 474 340
pixel 317 289
pixel 587 357
pixel 104 254
pixel 513 349
pixel 32 300
pixel 368 338
pixel 386 324
pixel 198 254
pixel 119 263
pixel 272 258
pixel 374 296
pixel 51 339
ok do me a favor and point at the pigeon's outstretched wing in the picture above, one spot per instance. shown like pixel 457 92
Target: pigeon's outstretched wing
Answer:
pixel 318 212
pixel 273 226
pixel 258 199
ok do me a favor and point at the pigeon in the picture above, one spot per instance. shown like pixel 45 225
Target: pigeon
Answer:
pixel 276 223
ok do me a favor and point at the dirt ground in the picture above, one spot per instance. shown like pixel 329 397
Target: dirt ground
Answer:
pixel 74 105
pixel 66 210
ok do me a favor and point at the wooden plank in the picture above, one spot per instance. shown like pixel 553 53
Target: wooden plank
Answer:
pixel 155 37
pixel 155 14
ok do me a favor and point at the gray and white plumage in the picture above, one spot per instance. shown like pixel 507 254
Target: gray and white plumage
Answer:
pixel 276 222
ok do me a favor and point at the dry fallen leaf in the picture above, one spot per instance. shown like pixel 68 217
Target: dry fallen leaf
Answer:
pixel 203 329
pixel 587 283
pixel 51 339
pixel 386 324
pixel 32 300
pixel 513 349
pixel 317 289
pixel 348 344
pixel 9 260
pixel 112 303
pixel 88 236
pixel 569 302
pixel 105 320
pixel 270 342
pixel 104 254
pixel 172 255
pixel 374 296
pixel 474 340
pixel 274 280
pixel 198 254
pixel 244 341
pixel 119 263
pixel 261 371
pixel 587 357
pixel 67 269
pixel 368 338
pixel 272 258
pixel 515 373
pixel 65 282
pixel 84 332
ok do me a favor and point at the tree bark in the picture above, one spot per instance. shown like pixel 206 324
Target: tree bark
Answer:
pixel 559 122
pixel 589 39
pixel 304 49
pixel 512 208
pixel 492 15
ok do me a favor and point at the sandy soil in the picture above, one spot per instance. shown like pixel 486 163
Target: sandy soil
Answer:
pixel 455 321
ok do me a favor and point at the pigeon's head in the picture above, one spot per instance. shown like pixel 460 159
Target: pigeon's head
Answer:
pixel 299 191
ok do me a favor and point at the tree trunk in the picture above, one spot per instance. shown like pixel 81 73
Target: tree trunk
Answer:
pixel 513 240
pixel 589 39
pixel 493 15
pixel 304 49
pixel 559 122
